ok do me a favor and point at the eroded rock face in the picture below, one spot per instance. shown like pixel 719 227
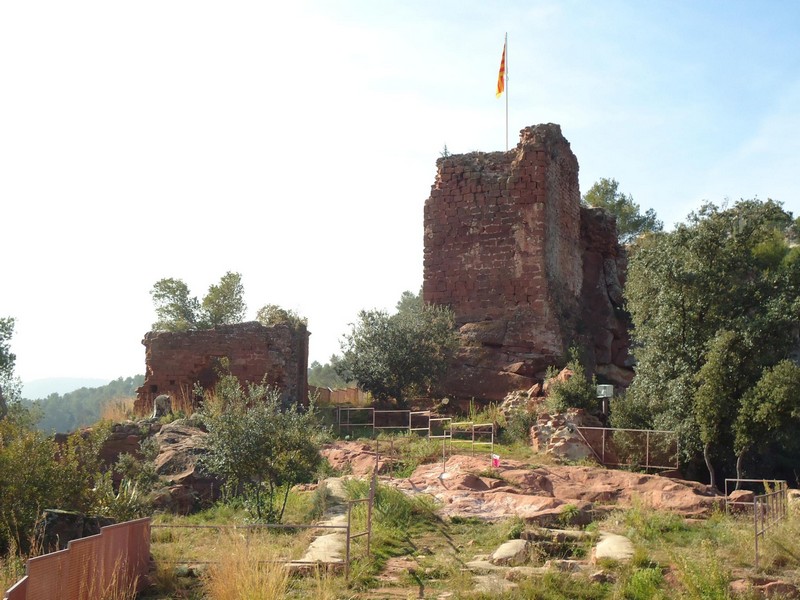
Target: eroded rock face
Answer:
pixel 557 435
pixel 526 269
pixel 180 449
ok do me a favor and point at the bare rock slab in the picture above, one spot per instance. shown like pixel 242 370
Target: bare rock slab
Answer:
pixel 511 553
pixel 614 547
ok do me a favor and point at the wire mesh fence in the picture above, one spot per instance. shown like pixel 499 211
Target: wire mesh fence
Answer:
pixel 637 448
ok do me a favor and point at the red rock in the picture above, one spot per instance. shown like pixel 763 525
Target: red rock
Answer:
pixel 547 488
pixel 780 589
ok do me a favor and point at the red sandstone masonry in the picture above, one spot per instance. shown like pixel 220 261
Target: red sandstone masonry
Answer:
pixel 175 361
pixel 504 249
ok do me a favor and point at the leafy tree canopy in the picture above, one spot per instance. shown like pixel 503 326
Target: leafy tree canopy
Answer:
pixel 400 355
pixel 9 385
pixel 578 391
pixel 325 376
pixel 727 269
pixel 631 223
pixel 224 302
pixel 177 310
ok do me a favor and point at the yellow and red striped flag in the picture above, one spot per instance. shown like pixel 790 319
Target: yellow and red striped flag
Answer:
pixel 501 77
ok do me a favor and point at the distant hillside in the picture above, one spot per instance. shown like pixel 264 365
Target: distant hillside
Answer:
pixel 81 407
pixel 42 388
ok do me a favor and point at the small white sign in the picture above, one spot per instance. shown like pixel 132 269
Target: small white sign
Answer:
pixel 605 391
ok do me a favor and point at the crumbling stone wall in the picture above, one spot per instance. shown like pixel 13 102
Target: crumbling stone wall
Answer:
pixel 505 241
pixel 175 361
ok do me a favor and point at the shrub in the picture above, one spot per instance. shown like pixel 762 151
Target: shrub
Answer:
pixel 576 392
pixel 258 447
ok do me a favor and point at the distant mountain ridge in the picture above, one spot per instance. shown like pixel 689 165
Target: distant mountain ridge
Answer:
pixel 82 406
pixel 42 388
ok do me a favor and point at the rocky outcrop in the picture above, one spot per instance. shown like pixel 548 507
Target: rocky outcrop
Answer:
pixel 557 435
pixel 57 528
pixel 181 447
pixel 125 438
pixel 527 270
pixel 550 494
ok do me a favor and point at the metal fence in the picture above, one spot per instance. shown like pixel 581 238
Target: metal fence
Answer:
pixel 768 508
pixel 476 434
pixel 642 448
pixel 350 419
pixel 100 566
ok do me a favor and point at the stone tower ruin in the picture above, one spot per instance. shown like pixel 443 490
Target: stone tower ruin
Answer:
pixel 526 268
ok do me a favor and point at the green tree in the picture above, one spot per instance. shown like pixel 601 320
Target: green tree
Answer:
pixel 409 302
pixel 37 473
pixel 398 356
pixel 259 448
pixel 9 385
pixel 578 391
pixel 320 375
pixel 177 310
pixel 631 223
pixel 224 302
pixel 769 413
pixel 718 394
pixel 272 314
pixel 724 269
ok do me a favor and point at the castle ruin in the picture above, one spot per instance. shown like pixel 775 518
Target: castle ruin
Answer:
pixel 526 268
pixel 178 361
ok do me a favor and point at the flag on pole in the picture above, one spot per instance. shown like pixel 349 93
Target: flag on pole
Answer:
pixel 501 77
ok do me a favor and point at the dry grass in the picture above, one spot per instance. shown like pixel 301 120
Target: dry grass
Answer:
pixel 246 571
pixel 119 587
pixel 12 569
pixel 117 410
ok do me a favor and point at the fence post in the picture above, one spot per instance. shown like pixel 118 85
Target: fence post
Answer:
pixel 755 527
pixel 369 508
pixel 347 546
pixel 647 450
pixel 603 451
pixel 473 439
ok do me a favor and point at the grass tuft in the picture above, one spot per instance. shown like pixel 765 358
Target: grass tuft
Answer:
pixel 246 571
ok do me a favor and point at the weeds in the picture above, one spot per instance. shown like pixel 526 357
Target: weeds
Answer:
pixel 703 577
pixel 246 571
pixel 12 569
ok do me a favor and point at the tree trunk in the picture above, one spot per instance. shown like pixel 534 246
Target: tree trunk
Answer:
pixel 285 498
pixel 709 466
pixel 739 468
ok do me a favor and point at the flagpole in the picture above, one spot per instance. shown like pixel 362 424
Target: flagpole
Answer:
pixel 506 86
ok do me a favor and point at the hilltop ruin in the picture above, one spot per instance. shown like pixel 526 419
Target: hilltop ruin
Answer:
pixel 526 268
pixel 176 361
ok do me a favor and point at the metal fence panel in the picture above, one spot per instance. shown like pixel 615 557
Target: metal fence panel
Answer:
pixel 19 591
pixel 90 567
pixel 645 448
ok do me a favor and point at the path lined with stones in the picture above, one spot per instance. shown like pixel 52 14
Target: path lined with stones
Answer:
pixel 328 549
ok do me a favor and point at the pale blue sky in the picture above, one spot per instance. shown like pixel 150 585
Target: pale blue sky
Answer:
pixel 296 142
